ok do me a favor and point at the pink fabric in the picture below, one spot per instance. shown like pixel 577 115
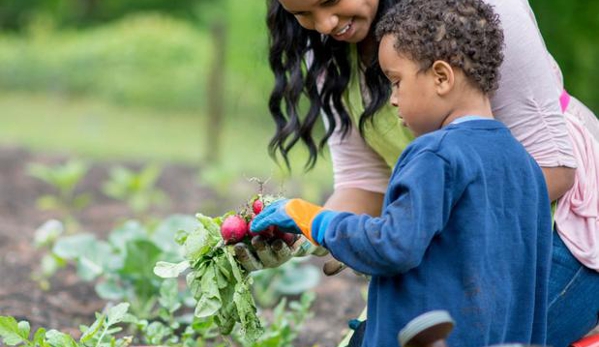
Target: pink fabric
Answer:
pixel 577 213
pixel 355 164
pixel 527 102
pixel 564 100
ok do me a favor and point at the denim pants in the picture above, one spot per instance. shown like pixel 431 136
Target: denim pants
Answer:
pixel 573 297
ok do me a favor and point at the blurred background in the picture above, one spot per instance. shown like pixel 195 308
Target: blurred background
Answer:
pixel 185 81
pixel 112 109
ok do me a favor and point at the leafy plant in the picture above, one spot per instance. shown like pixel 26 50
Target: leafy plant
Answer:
pixel 292 278
pixel 286 322
pixel 123 264
pixel 137 189
pixel 64 178
pixel 44 239
pixel 218 283
pixel 100 334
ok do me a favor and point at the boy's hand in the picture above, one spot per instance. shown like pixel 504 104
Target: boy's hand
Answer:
pixel 290 216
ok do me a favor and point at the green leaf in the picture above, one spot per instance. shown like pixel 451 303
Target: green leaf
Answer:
pixel 91 331
pixel 141 257
pixel 50 263
pixel 169 295
pixel 246 309
pixel 57 339
pixel 97 260
pixel 72 247
pixel 24 329
pixel 210 224
pixel 164 269
pixel 127 232
pixel 110 290
pixel 235 267
pixel 10 331
pixel 199 242
pixel 210 300
pixel 47 233
pixel 297 280
pixel 48 202
pixel 117 314
pixel 39 337
pixel 164 234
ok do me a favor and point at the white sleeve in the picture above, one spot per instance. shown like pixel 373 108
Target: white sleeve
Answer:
pixel 527 100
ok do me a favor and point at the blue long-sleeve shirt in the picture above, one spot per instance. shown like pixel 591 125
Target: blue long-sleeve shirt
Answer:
pixel 466 228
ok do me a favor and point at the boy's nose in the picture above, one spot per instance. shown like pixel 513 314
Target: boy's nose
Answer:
pixel 325 22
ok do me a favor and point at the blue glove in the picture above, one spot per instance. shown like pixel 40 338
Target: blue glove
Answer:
pixel 295 216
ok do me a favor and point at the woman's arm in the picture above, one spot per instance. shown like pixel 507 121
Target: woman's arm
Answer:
pixel 559 180
pixel 527 100
pixel 355 200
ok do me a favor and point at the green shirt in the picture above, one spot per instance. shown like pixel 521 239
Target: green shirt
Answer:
pixel 385 134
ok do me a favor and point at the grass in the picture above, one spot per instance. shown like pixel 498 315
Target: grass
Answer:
pixel 97 130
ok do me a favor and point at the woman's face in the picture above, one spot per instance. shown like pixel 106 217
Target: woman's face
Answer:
pixel 343 20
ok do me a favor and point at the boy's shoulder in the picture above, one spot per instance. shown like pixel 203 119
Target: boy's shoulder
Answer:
pixel 454 139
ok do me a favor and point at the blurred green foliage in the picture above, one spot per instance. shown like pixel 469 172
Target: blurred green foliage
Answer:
pixel 151 58
pixel 570 29
pixel 145 60
pixel 15 14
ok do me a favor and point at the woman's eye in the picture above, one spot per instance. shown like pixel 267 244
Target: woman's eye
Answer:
pixel 329 2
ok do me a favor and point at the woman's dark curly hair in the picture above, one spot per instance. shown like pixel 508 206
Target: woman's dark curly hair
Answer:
pixel 465 33
pixel 289 47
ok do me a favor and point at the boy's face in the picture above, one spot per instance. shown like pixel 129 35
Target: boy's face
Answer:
pixel 343 20
pixel 414 92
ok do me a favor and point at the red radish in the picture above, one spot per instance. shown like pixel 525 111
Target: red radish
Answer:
pixel 267 233
pixel 288 238
pixel 257 206
pixel 233 229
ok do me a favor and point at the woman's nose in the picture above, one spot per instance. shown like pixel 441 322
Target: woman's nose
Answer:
pixel 325 22
pixel 393 99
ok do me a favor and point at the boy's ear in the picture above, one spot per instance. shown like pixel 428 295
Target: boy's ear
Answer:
pixel 444 77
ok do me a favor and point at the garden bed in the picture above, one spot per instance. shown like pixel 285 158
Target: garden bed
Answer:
pixel 71 301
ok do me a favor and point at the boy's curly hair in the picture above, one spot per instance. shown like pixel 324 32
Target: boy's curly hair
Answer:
pixel 465 33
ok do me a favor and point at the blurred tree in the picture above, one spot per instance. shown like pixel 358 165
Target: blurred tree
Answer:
pixel 570 29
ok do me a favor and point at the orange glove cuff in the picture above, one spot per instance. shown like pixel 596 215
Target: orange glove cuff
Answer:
pixel 303 213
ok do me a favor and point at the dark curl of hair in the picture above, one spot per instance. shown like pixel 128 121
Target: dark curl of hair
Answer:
pixel 465 33
pixel 289 47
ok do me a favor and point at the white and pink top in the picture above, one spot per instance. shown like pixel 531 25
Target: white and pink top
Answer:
pixel 529 102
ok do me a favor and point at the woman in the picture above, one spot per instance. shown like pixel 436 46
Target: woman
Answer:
pixel 325 49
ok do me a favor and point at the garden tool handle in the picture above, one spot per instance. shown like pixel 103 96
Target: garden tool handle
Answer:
pixel 333 267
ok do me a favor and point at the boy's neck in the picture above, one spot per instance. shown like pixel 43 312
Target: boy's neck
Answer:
pixel 469 104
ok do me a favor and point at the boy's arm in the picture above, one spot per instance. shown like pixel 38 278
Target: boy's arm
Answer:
pixel 422 194
pixel 387 245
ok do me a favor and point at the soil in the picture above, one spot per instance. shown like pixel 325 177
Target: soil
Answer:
pixel 71 301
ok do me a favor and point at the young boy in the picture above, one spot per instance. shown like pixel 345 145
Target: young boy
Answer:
pixel 466 220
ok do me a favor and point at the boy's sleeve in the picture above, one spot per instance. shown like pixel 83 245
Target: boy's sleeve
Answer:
pixel 420 198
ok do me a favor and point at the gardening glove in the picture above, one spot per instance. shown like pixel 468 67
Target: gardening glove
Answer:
pixel 275 253
pixel 295 216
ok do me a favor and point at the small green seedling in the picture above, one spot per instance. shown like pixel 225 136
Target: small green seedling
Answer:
pixel 64 178
pixel 137 189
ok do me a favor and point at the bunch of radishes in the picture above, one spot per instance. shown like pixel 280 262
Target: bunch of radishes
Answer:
pixel 236 227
